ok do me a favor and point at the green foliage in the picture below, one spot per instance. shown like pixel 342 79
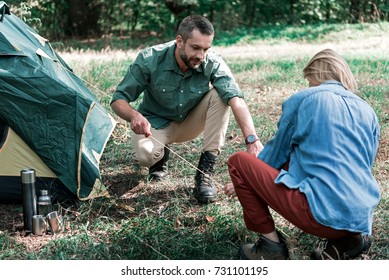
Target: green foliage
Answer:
pixel 133 19
pixel 24 12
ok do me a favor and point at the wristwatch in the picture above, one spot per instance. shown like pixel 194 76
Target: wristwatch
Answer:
pixel 251 139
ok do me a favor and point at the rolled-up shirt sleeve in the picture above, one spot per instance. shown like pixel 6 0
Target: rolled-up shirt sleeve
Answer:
pixel 222 79
pixel 133 83
pixel 277 151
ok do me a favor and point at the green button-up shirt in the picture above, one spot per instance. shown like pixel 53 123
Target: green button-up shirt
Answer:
pixel 169 95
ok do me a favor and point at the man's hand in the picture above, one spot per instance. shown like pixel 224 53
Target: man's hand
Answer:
pixel 255 148
pixel 139 124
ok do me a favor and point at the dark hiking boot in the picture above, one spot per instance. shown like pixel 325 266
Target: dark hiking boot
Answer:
pixel 159 170
pixel 205 191
pixel 343 248
pixel 265 249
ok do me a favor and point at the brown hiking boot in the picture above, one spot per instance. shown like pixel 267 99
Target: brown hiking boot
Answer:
pixel 343 248
pixel 265 249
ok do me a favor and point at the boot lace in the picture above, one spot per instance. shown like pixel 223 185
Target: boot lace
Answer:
pixel 205 179
pixel 335 255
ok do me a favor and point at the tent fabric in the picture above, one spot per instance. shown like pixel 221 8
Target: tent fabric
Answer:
pixel 15 155
pixel 50 108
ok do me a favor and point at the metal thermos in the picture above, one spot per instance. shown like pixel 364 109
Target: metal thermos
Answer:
pixel 29 198
pixel 44 203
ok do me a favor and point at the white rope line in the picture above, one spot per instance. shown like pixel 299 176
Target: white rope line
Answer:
pixel 104 93
pixel 183 159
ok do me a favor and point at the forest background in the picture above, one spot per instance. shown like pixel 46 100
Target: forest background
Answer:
pixel 266 44
pixel 64 19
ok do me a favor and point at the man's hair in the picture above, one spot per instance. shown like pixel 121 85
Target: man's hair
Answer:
pixel 328 65
pixel 190 23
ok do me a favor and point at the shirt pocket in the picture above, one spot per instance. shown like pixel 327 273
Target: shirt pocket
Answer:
pixel 196 93
pixel 200 89
pixel 164 93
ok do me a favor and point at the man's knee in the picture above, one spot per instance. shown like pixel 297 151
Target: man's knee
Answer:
pixel 147 154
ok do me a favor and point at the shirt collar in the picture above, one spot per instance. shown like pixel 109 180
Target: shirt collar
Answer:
pixel 170 62
pixel 333 82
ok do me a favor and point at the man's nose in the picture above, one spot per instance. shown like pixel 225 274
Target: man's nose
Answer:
pixel 201 54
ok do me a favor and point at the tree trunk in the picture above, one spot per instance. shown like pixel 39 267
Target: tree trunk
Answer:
pixel 211 12
pixel 180 9
pixel 252 10
pixel 374 12
pixel 83 18
pixel 354 11
pixel 328 11
pixel 291 12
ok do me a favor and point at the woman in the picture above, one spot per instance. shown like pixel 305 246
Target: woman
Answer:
pixel 317 170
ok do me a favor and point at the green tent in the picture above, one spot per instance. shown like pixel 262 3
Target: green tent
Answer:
pixel 59 122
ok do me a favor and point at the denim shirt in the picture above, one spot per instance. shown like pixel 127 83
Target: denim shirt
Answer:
pixel 168 94
pixel 330 138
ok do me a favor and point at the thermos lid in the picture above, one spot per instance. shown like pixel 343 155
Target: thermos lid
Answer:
pixel 44 192
pixel 28 176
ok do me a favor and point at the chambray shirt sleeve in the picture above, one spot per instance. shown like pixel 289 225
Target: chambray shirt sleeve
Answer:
pixel 277 151
pixel 134 82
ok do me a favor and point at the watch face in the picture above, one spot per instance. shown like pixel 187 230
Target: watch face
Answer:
pixel 251 139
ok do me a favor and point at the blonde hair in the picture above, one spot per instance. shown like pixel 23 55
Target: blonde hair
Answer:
pixel 328 65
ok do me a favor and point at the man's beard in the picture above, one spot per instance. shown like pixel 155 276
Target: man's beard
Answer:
pixel 187 61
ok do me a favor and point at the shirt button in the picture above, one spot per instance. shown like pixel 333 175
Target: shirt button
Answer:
pixel 180 104
pixel 182 91
pixel 163 89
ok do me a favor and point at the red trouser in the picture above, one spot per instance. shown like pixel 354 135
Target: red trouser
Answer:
pixel 254 184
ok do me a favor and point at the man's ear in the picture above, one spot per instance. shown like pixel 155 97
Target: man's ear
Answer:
pixel 179 41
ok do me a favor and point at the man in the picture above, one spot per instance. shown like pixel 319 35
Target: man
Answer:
pixel 187 90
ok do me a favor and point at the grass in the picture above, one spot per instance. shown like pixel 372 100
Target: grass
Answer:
pixel 143 220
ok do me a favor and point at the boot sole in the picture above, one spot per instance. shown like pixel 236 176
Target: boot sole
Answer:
pixel 205 199
pixel 157 177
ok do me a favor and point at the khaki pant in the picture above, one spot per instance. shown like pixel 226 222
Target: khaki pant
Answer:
pixel 210 116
